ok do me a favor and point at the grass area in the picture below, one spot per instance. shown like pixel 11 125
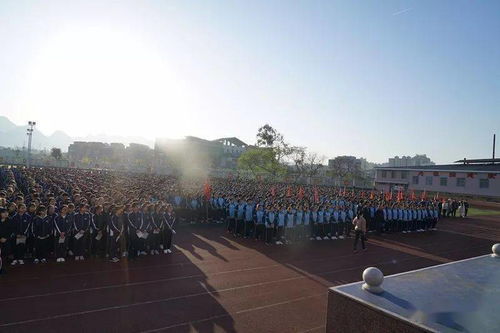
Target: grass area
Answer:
pixel 482 212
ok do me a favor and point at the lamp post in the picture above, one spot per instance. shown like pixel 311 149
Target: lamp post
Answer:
pixel 29 132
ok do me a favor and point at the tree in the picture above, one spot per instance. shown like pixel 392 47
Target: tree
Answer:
pixel 56 153
pixel 307 164
pixel 261 160
pixel 345 168
pixel 269 137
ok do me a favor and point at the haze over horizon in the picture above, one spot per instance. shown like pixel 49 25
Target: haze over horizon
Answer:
pixel 369 79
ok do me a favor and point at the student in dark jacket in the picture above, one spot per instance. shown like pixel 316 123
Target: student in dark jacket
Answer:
pixel 81 228
pixel 99 224
pixel 379 219
pixel 21 224
pixel 115 232
pixel 169 221
pixel 62 228
pixel 5 235
pixel 42 230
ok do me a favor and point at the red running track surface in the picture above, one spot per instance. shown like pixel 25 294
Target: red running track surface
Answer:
pixel 216 283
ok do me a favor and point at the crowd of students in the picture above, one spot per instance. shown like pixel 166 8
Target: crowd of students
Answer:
pixel 61 213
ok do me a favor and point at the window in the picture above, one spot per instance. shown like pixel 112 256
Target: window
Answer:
pixel 384 174
pixel 415 180
pixel 460 182
pixel 393 174
pixel 404 174
pixel 484 183
pixel 428 180
pixel 443 181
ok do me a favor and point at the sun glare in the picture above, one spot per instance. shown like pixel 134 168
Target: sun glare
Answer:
pixel 106 75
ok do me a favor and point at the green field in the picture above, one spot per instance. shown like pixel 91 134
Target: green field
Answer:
pixel 482 212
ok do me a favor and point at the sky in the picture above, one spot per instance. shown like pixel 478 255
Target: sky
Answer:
pixel 372 79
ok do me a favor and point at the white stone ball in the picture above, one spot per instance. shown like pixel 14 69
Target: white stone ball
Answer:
pixel 496 249
pixel 373 276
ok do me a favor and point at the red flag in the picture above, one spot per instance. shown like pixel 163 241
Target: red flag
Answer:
pixel 300 194
pixel 207 191
pixel 372 195
pixel 413 197
pixel 316 195
pixel 289 192
pixel 424 195
pixel 273 191
pixel 363 194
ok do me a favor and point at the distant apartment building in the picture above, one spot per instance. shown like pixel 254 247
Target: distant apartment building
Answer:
pixel 408 161
pixel 110 155
pixel 471 177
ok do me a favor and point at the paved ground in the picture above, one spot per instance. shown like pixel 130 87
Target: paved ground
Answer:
pixel 214 283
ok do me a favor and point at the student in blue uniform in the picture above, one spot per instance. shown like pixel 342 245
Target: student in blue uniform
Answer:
pixel 280 228
pixel 260 222
pixel 299 224
pixel 231 216
pixel 249 211
pixel 290 225
pixel 239 230
pixel 270 224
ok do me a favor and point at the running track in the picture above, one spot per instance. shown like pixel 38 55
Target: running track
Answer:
pixel 216 283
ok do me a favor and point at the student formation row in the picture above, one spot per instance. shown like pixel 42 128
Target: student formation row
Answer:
pixel 97 205
pixel 39 232
pixel 328 221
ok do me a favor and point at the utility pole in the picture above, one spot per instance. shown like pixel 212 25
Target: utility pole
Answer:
pixel 494 139
pixel 29 132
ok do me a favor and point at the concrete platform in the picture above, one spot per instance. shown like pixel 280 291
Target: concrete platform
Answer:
pixel 462 296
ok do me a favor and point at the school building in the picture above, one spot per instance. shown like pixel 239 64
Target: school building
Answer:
pixel 470 177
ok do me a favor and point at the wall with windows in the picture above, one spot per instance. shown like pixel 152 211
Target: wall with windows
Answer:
pixel 473 183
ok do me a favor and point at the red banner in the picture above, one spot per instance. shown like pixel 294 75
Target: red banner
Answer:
pixel 316 195
pixel 491 176
pixel 453 174
pixel 207 191
pixel 436 173
pixel 300 194
pixel 470 175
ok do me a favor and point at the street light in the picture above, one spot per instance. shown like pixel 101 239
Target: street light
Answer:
pixel 29 132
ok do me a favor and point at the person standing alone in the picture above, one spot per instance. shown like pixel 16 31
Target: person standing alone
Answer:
pixel 359 223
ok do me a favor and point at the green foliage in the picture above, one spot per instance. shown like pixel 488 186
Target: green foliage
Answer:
pixel 261 160
pixel 56 153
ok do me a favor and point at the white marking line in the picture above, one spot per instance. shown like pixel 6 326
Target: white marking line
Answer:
pixel 234 313
pixel 190 295
pixel 131 284
pixel 118 307
pixel 314 329
pixel 186 277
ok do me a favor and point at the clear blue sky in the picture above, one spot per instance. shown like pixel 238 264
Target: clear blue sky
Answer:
pixel 365 78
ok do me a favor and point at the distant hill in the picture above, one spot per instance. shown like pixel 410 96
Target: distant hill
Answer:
pixel 13 136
